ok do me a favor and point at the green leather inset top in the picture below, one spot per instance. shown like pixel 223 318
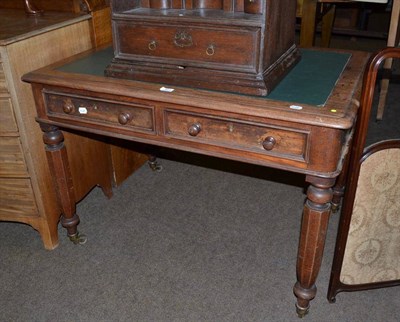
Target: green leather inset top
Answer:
pixel 309 82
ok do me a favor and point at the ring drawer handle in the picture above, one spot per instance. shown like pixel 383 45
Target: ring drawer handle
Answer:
pixel 68 107
pixel 194 129
pixel 269 143
pixel 152 45
pixel 124 118
pixel 210 50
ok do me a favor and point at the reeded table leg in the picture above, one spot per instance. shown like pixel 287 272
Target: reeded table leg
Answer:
pixel 59 167
pixel 312 240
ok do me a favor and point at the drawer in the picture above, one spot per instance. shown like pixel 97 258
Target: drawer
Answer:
pixel 17 198
pixel 234 48
pixel 8 124
pixel 138 117
pixel 236 134
pixel 3 83
pixel 12 162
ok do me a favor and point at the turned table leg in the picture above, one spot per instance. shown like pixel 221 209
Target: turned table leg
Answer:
pixel 59 168
pixel 340 185
pixel 312 240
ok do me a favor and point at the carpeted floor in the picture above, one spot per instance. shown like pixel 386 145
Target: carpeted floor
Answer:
pixel 200 241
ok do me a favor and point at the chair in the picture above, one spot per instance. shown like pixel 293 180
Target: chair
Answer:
pixel 313 11
pixel 367 252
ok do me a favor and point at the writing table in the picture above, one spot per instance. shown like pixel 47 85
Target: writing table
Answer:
pixel 303 126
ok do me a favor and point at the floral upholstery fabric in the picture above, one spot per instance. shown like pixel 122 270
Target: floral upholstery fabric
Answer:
pixel 372 251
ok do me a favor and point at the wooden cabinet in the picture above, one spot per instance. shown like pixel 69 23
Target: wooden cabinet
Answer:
pixel 243 46
pixel 98 9
pixel 26 186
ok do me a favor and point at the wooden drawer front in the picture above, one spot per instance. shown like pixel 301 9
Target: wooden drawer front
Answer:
pixel 265 139
pixel 12 163
pixel 3 83
pixel 16 198
pixel 128 115
pixel 8 124
pixel 190 46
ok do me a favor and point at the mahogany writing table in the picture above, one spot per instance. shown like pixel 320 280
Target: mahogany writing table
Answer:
pixel 303 126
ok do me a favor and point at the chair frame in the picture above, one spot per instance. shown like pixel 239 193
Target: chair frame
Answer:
pixel 392 41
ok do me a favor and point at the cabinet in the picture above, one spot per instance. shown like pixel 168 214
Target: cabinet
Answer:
pixel 26 186
pixel 243 46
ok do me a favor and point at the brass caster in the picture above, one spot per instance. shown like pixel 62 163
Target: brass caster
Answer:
pixel 78 239
pixel 155 166
pixel 334 208
pixel 301 312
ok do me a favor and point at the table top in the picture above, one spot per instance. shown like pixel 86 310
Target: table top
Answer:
pixel 319 90
pixel 16 25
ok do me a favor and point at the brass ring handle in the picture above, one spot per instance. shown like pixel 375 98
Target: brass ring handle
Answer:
pixel 210 50
pixel 194 129
pixel 124 118
pixel 68 107
pixel 152 45
pixel 269 143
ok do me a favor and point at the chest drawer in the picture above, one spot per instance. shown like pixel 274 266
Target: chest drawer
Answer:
pixel 233 48
pixel 236 134
pixel 3 83
pixel 8 124
pixel 138 117
pixel 17 198
pixel 12 162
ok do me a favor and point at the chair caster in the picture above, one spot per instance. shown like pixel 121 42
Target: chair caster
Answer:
pixel 334 208
pixel 155 166
pixel 302 312
pixel 78 239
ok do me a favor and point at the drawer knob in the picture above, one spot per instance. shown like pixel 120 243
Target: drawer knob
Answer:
pixel 68 107
pixel 269 143
pixel 124 118
pixel 194 129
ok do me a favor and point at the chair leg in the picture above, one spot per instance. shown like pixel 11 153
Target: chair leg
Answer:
pixel 391 42
pixel 382 97
pixel 327 26
pixel 307 29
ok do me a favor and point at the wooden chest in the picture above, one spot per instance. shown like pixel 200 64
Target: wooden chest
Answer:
pixel 243 46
